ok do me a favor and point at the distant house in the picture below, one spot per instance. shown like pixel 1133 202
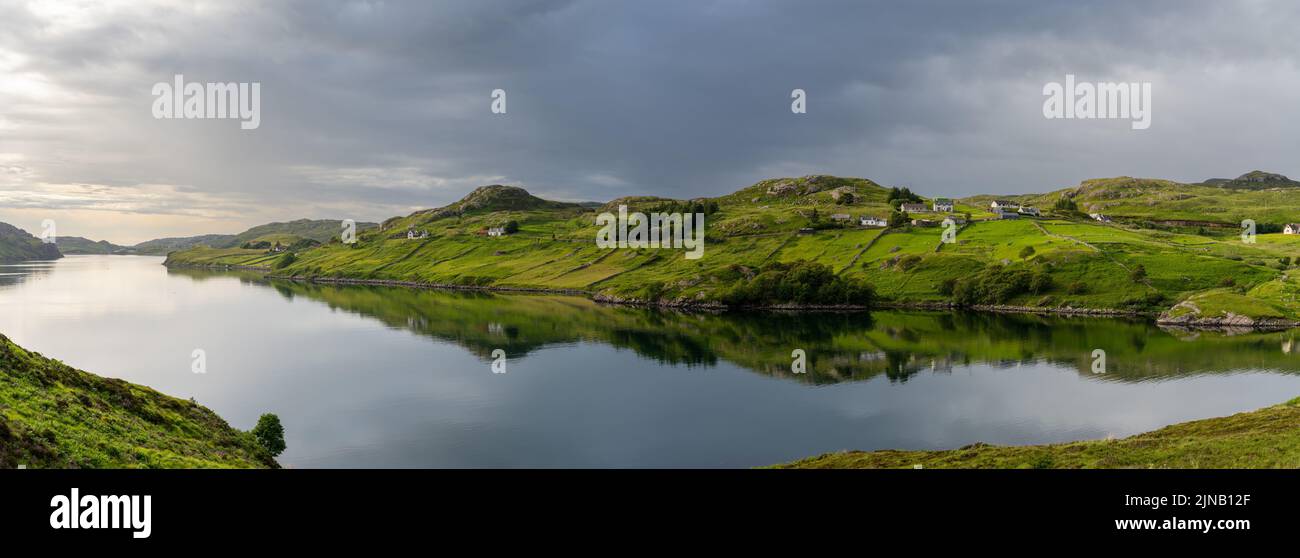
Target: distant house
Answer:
pixel 841 217
pixel 807 230
pixel 873 221
pixel 942 204
pixel 278 247
pixel 914 208
pixel 1026 210
pixel 496 231
pixel 1003 204
pixel 1291 228
pixel 1005 214
pixel 412 234
pixel 1099 217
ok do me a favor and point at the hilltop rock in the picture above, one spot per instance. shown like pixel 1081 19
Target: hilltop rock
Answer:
pixel 1254 180
pixel 495 197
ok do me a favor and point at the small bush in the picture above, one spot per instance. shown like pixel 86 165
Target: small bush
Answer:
pixel 1138 274
pixel 269 433
pixel 286 260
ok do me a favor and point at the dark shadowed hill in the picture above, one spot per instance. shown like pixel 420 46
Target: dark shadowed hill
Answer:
pixel 17 245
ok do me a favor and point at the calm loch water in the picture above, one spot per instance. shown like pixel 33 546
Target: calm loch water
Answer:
pixel 388 377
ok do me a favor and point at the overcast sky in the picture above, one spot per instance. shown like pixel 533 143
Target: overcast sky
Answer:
pixel 375 109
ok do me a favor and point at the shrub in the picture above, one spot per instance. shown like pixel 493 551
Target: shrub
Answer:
pixel 898 219
pixel 1041 282
pixel 285 261
pixel 1026 252
pixel 269 433
pixel 653 291
pixel 801 282
pixel 1228 282
pixel 908 262
pixel 1138 274
pixel 994 284
pixel 1077 288
pixel 948 286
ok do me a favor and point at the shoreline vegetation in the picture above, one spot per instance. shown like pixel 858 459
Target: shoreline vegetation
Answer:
pixel 1263 324
pixel 1163 250
pixel 55 416
pixel 1261 439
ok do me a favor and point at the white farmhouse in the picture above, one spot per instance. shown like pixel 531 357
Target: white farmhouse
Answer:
pixel 1291 228
pixel 873 221
pixel 942 204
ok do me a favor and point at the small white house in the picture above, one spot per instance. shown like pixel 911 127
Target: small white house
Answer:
pixel 1099 217
pixel 873 221
pixel 1026 210
pixel 497 231
pixel 1003 204
pixel 1291 228
pixel 1005 214
pixel 914 208
pixel 942 204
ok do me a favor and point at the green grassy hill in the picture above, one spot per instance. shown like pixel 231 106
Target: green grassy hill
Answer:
pixel 1063 261
pixel 17 245
pixel 1266 438
pixel 54 416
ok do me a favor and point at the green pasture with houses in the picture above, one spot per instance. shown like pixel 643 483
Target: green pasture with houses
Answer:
pixel 1162 246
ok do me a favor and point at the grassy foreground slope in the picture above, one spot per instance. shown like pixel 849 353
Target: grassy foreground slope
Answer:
pixel 1192 271
pixel 1266 438
pixel 54 416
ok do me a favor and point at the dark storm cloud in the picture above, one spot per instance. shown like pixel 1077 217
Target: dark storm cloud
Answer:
pixel 376 107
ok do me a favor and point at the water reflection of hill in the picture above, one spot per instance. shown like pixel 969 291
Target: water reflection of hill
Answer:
pixel 839 346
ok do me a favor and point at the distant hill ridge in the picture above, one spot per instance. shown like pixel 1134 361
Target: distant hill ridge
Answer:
pixel 319 230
